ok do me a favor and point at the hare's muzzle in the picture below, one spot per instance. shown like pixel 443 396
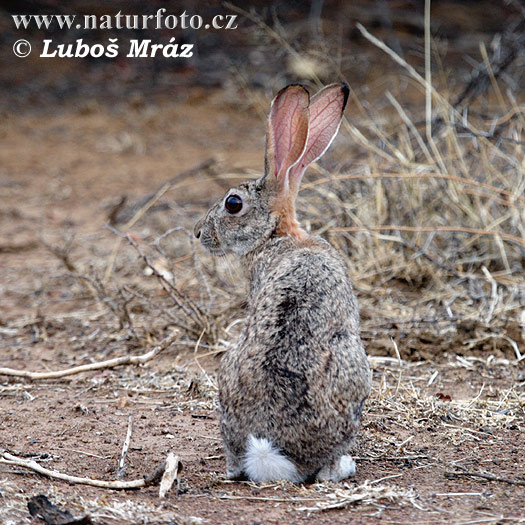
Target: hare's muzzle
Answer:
pixel 197 229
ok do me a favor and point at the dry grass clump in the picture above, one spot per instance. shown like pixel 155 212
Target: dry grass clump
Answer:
pixel 423 191
pixel 435 235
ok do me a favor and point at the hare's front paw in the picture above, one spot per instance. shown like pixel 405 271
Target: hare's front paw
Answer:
pixel 342 468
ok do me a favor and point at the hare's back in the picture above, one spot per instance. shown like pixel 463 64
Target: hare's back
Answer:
pixel 303 291
pixel 302 336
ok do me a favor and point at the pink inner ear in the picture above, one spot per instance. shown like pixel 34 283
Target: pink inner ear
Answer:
pixel 326 111
pixel 287 130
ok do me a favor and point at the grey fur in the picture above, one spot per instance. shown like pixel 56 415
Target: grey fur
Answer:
pixel 298 375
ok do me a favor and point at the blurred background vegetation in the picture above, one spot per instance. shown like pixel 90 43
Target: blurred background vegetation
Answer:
pixel 276 42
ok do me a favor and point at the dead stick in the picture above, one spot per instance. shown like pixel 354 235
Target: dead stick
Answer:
pixel 491 189
pixel 158 194
pixel 110 363
pixel 8 459
pixel 185 303
pixel 443 229
pixel 125 447
pixel 487 476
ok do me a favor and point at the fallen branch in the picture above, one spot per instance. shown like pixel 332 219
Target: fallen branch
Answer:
pixel 192 310
pixel 444 229
pixel 9 459
pixel 208 163
pixel 483 475
pixel 110 363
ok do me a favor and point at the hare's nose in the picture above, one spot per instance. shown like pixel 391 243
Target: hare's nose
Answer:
pixel 197 229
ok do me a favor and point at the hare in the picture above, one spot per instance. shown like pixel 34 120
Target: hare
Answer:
pixel 292 389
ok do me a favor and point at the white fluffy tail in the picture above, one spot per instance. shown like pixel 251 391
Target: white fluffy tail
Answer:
pixel 264 462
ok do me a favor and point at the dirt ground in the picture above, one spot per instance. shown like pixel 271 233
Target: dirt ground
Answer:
pixel 427 424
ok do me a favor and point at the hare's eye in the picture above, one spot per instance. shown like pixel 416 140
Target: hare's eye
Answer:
pixel 233 204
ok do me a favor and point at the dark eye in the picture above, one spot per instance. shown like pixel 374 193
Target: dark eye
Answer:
pixel 233 204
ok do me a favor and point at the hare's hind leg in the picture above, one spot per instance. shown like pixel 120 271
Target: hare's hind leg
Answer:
pixel 234 464
pixel 233 447
pixel 343 467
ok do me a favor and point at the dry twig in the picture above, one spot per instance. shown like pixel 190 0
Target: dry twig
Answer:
pixel 125 447
pixel 110 363
pixel 9 459
pixel 484 475
pixel 457 229
pixel 192 310
pixel 206 164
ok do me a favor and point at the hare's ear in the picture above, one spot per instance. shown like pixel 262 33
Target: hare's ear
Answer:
pixel 287 134
pixel 326 113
